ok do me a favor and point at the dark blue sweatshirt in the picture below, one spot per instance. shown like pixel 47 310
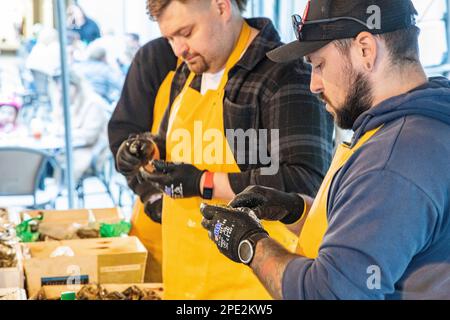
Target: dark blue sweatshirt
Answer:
pixel 388 233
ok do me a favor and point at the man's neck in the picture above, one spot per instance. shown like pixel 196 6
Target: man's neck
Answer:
pixel 398 83
pixel 237 27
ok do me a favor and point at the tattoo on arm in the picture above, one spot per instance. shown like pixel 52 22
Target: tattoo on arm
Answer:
pixel 269 264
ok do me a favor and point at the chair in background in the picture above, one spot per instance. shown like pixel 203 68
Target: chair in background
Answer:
pixel 123 189
pixel 22 172
pixel 101 168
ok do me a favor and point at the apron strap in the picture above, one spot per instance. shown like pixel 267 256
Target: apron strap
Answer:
pixel 237 53
pixel 234 58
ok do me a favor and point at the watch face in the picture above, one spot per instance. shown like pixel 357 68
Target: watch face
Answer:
pixel 245 251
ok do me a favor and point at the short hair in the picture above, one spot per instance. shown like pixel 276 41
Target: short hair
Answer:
pixel 156 7
pixel 402 45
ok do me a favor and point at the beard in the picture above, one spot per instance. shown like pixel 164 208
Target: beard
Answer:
pixel 359 99
pixel 198 65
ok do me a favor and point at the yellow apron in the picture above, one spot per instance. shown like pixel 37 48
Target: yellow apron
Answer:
pixel 316 223
pixel 193 267
pixel 148 231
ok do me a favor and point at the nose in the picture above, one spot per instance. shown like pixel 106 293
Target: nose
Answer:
pixel 179 47
pixel 316 85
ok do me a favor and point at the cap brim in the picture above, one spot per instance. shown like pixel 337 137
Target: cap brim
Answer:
pixel 295 50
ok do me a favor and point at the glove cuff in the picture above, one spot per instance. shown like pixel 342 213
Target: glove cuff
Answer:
pixel 297 212
pixel 197 181
pixel 249 242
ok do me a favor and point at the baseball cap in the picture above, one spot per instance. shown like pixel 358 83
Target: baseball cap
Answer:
pixel 327 20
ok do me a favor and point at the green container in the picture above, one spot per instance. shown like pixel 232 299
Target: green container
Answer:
pixel 70 295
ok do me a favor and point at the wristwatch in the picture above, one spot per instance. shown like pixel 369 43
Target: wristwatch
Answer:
pixel 208 186
pixel 247 247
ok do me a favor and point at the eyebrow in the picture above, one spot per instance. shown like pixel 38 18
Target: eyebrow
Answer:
pixel 180 30
pixel 307 59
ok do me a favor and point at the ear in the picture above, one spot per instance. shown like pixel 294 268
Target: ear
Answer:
pixel 367 50
pixel 224 8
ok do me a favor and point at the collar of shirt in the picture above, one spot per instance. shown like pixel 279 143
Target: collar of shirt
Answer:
pixel 266 40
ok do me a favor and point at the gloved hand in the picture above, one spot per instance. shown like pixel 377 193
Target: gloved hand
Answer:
pixel 271 204
pixel 175 180
pixel 153 208
pixel 229 228
pixel 149 195
pixel 135 152
pixel 145 190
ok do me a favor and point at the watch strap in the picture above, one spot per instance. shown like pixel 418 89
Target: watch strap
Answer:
pixel 208 186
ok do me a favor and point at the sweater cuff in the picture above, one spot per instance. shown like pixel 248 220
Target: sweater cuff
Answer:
pixel 292 282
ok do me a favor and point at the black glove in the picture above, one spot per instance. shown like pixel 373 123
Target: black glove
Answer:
pixel 153 208
pixel 149 195
pixel 176 180
pixel 228 228
pixel 135 152
pixel 143 189
pixel 270 204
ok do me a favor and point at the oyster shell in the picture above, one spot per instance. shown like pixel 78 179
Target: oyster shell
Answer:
pixel 8 257
pixel 133 293
pixel 91 292
pixel 88 233
pixel 115 296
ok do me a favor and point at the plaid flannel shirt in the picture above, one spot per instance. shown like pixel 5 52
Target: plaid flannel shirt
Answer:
pixel 261 94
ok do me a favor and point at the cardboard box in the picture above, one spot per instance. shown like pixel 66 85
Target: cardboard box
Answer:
pixel 112 260
pixel 54 292
pixel 81 216
pixel 62 225
pixel 13 294
pixel 13 277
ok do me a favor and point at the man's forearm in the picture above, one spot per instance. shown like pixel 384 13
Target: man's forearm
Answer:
pixel 298 227
pixel 269 264
pixel 222 187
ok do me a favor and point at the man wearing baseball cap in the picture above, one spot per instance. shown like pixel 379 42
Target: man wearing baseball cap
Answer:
pixel 379 227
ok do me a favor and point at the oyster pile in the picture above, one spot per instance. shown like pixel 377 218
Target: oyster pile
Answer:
pixel 4 216
pixel 8 257
pixel 8 241
pixel 88 233
pixel 98 292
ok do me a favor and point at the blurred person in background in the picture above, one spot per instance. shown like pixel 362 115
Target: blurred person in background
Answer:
pixel 9 111
pixel 114 44
pixel 30 42
pixel 76 49
pixel 78 21
pixel 44 60
pixel 89 121
pixel 132 45
pixel 105 80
